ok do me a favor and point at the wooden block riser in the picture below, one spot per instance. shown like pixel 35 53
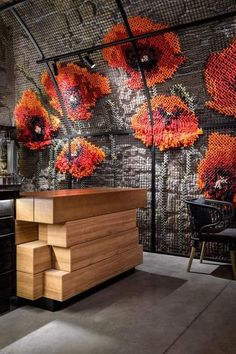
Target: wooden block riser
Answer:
pixel 29 286
pixel 84 254
pixel 25 209
pixel 75 232
pixel 60 285
pixel 25 231
pixel 33 257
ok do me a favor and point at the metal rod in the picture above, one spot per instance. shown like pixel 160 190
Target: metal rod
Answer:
pixel 140 36
pixel 153 151
pixel 10 6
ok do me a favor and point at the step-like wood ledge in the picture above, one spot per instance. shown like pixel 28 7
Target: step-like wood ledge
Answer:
pixel 59 206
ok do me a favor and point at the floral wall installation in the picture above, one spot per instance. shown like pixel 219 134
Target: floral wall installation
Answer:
pixel 217 172
pixel 160 55
pixel 83 160
pixel 80 90
pixel 220 77
pixel 174 123
pixel 33 122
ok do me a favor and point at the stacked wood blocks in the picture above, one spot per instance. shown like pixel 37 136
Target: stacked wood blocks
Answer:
pixel 61 254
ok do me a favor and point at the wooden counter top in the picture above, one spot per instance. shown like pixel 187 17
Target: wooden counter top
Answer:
pixel 58 206
pixel 76 192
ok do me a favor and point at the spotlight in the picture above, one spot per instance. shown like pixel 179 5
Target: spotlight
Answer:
pixel 55 68
pixel 88 61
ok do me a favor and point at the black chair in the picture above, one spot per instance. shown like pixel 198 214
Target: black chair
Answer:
pixel 210 221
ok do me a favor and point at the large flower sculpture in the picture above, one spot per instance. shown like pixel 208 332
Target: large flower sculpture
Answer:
pixel 32 122
pixel 80 90
pixel 216 172
pixel 83 160
pixel 160 55
pixel 220 76
pixel 174 124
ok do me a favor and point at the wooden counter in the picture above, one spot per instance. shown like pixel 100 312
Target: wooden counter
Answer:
pixel 52 207
pixel 68 241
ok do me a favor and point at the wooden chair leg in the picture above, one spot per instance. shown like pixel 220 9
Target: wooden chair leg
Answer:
pixel 202 251
pixel 232 258
pixel 193 249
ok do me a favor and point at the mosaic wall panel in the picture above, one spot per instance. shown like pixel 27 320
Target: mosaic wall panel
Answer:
pixel 77 25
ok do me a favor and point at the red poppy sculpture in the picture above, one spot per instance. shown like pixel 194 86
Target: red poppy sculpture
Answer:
pixel 32 121
pixel 216 172
pixel 220 76
pixel 55 124
pixel 174 124
pixel 83 160
pixel 160 54
pixel 80 90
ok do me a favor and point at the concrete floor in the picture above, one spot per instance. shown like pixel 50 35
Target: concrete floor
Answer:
pixel 159 309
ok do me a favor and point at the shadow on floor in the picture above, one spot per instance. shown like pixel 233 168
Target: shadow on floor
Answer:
pixel 138 287
pixel 124 303
pixel 223 271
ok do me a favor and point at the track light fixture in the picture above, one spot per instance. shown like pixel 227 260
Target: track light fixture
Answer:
pixel 55 68
pixel 88 61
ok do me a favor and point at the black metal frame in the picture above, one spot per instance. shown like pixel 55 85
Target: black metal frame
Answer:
pixel 148 97
pixel 141 36
pixel 10 6
pixel 130 39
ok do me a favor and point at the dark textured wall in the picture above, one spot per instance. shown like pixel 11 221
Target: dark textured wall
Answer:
pixel 80 24
pixel 7 96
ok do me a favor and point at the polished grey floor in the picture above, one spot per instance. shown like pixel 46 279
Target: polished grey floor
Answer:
pixel 159 309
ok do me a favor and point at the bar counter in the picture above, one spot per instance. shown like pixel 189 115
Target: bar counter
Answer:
pixel 69 241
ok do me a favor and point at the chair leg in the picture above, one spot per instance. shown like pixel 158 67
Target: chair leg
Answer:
pixel 191 258
pixel 232 258
pixel 202 251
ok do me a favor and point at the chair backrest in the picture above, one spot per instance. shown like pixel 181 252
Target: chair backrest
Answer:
pixel 208 214
pixel 200 214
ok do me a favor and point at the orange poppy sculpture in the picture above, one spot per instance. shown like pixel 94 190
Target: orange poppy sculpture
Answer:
pixel 32 122
pixel 174 124
pixel 159 55
pixel 80 90
pixel 83 160
pixel 216 172
pixel 220 77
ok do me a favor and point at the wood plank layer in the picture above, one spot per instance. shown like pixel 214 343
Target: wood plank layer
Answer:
pixel 85 254
pixel 84 230
pixel 60 285
pixel 50 207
